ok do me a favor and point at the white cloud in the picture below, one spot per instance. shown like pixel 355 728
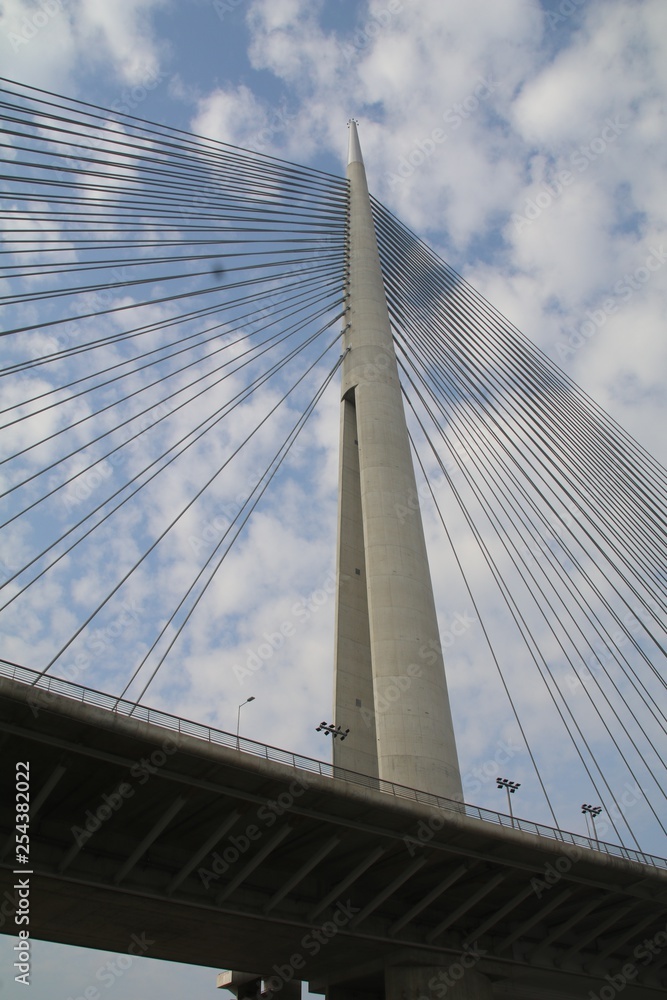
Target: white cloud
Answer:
pixel 235 116
pixel 517 100
pixel 52 41
pixel 414 72
pixel 123 31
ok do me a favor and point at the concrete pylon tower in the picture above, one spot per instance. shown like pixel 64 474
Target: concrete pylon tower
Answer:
pixel 390 687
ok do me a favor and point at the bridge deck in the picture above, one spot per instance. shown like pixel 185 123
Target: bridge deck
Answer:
pixel 221 858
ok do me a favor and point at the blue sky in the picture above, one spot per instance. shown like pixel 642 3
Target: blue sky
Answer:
pixel 523 140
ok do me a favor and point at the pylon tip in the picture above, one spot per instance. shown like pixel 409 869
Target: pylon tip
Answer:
pixel 354 149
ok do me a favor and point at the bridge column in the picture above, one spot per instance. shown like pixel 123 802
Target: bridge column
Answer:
pixel 346 993
pixel 429 983
pixel 387 628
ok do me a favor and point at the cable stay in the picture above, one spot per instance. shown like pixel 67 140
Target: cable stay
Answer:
pixel 172 310
pixel 567 512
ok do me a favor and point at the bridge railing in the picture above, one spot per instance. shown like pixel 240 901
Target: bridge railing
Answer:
pixel 46 686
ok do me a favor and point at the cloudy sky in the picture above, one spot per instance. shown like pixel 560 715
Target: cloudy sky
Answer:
pixel 523 140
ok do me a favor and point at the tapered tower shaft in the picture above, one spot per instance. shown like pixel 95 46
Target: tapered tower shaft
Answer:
pixel 387 642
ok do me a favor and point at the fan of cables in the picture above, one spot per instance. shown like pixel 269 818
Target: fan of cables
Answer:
pixel 565 513
pixel 172 316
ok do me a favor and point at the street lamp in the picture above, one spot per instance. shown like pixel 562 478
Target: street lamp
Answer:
pixel 511 787
pixel 591 811
pixel 238 718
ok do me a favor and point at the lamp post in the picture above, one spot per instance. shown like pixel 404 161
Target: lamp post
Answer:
pixel 591 811
pixel 238 718
pixel 331 730
pixel 511 787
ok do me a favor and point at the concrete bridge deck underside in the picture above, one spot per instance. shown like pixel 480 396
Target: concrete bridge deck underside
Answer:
pixel 223 859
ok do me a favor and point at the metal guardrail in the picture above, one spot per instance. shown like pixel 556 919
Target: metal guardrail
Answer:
pixel 45 685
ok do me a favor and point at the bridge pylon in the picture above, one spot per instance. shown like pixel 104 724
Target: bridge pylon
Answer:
pixel 390 687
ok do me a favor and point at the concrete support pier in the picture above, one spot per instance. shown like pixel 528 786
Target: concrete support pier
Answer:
pixel 387 630
pixel 427 983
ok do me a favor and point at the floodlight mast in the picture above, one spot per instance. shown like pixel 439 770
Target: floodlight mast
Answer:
pixel 389 668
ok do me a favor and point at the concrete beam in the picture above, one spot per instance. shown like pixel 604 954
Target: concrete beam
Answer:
pixel 36 802
pixel 475 897
pixel 560 929
pixel 388 891
pixel 499 915
pixel 254 862
pixel 301 872
pixel 250 986
pixel 626 936
pixel 150 838
pixel 346 882
pixel 205 849
pixel 536 918
pixel 431 896
pixel 585 938
pixel 234 981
